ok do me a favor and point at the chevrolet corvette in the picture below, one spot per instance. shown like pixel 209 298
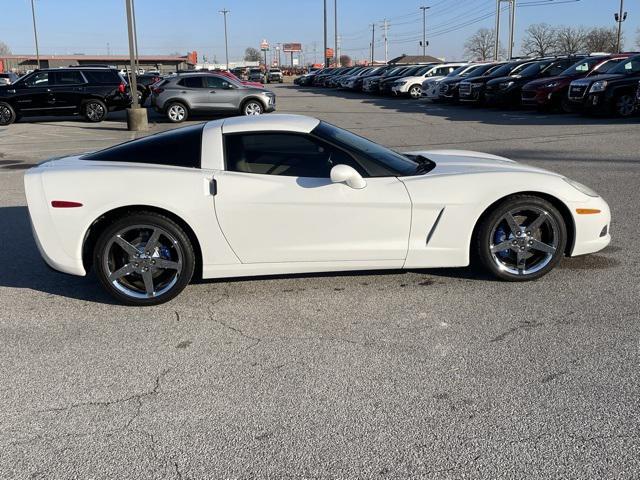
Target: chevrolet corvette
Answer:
pixel 284 194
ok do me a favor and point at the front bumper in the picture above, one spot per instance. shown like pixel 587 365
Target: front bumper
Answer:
pixel 592 231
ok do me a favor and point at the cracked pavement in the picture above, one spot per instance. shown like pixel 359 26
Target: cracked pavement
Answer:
pixel 424 374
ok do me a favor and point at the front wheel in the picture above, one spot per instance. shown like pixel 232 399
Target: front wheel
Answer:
pixel 252 107
pixel 144 259
pixel 625 105
pixel 415 91
pixel 177 112
pixel 521 239
pixel 95 111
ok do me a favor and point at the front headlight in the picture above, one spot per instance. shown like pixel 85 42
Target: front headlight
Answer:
pixel 598 86
pixel 552 84
pixel 581 188
pixel 505 85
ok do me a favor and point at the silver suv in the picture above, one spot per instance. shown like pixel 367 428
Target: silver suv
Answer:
pixel 178 97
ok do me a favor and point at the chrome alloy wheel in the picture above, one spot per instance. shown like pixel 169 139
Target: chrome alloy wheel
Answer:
pixel 415 91
pixel 5 114
pixel 253 108
pixel 625 105
pixel 176 112
pixel 143 261
pixel 524 240
pixel 94 111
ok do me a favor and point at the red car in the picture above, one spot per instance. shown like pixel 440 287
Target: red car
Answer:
pixel 225 73
pixel 551 92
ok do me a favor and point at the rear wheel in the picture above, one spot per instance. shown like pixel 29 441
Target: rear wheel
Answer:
pixel 177 112
pixel 95 111
pixel 521 239
pixel 144 259
pixel 625 105
pixel 7 114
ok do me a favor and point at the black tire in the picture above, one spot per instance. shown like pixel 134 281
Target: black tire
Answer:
pixel 492 225
pixel 624 105
pixel 180 251
pixel 566 106
pixel 94 111
pixel 7 114
pixel 252 107
pixel 177 112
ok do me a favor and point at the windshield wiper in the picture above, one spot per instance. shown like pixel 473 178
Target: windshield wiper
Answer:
pixel 424 164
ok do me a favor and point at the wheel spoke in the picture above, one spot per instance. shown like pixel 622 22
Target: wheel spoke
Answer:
pixel 121 272
pixel 167 264
pixel 520 261
pixel 153 241
pixel 513 225
pixel 537 223
pixel 506 245
pixel 126 246
pixel 542 247
pixel 148 282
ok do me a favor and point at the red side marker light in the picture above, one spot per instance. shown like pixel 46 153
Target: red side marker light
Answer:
pixel 65 204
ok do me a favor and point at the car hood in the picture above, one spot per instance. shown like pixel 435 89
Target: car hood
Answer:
pixel 560 78
pixel 604 76
pixel 434 79
pixel 458 162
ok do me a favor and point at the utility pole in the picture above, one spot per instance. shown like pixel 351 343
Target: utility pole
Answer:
pixel 496 46
pixel 386 41
pixel 335 32
pixel 373 41
pixel 136 116
pixel 226 44
pixel 424 30
pixel 135 36
pixel 35 32
pixel 512 26
pixel 326 58
pixel 620 17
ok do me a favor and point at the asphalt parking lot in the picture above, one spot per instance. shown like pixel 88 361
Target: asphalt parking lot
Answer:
pixel 420 374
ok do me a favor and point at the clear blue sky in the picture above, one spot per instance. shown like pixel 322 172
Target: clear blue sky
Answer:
pixel 165 26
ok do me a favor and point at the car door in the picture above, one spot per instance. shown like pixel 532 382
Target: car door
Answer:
pixel 221 94
pixel 32 94
pixel 67 91
pixel 276 203
pixel 192 90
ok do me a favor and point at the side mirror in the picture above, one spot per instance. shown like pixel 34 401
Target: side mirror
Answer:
pixel 348 175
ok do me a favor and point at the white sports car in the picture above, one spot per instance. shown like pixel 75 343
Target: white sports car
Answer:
pixel 283 194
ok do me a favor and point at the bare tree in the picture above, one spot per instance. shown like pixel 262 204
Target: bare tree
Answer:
pixel 345 60
pixel 540 40
pixel 4 49
pixel 601 39
pixel 252 54
pixel 570 40
pixel 480 45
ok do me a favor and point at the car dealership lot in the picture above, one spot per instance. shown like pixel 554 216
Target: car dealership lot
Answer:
pixel 438 374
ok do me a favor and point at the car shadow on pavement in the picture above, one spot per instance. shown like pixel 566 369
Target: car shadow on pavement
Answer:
pixel 21 265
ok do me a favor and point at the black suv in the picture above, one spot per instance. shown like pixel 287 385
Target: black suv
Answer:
pixel 473 89
pixel 611 93
pixel 91 92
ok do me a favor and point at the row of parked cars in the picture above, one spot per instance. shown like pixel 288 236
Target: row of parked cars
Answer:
pixel 605 84
pixel 94 91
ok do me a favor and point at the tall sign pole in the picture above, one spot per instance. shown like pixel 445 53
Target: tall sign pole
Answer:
pixel 326 59
pixel 373 41
pixel 35 32
pixel 512 26
pixel 424 30
pixel 496 46
pixel 226 44
pixel 335 28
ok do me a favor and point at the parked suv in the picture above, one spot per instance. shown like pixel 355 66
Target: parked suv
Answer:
pixel 257 75
pixel 472 90
pixel 552 92
pixel 275 76
pixel 611 93
pixel 180 96
pixel 8 78
pixel 91 92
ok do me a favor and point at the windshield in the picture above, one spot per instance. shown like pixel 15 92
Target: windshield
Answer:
pixel 628 67
pixel 458 71
pixel 506 69
pixel 385 163
pixel 477 70
pixel 583 66
pixel 607 66
pixel 532 69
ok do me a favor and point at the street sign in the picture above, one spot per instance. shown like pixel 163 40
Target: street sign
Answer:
pixel 291 47
pixel 264 45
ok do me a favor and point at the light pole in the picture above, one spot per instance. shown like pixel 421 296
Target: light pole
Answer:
pixel 512 26
pixel 620 17
pixel 373 41
pixel 226 45
pixel 326 59
pixel 335 28
pixel 496 46
pixel 136 116
pixel 35 32
pixel 424 30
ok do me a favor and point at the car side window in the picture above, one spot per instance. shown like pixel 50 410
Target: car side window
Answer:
pixel 40 79
pixel 217 83
pixel 68 78
pixel 191 82
pixel 286 154
pixel 556 69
